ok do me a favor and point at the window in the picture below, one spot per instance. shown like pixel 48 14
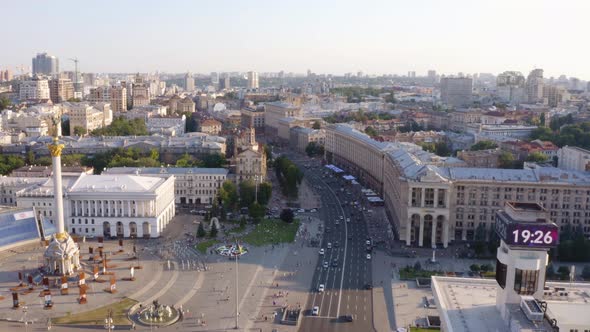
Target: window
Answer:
pixel 525 281
pixel 501 270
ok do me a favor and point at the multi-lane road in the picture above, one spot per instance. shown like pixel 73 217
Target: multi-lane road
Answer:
pixel 348 271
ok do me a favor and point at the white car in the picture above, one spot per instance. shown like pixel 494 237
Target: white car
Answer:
pixel 322 251
pixel 347 219
pixel 301 211
pixel 326 265
pixel 313 210
pixel 329 245
pixel 321 288
pixel 368 256
pixel 315 311
pixel 368 242
pixel 341 217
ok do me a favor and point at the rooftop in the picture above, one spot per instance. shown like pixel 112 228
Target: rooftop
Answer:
pixel 468 304
pixel 115 183
pixel 166 170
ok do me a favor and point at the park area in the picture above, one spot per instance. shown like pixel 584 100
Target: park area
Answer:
pixel 271 231
pixel 97 316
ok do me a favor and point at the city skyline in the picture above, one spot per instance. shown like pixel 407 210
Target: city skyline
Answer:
pixel 264 36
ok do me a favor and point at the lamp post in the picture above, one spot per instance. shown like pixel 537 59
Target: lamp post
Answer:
pixel 236 254
pixel 25 308
pixel 108 322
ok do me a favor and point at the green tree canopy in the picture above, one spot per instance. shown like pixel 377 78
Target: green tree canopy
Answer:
pixel 371 131
pixel 287 215
pixel 123 127
pixel 4 103
pixel 316 125
pixel 506 160
pixel 8 163
pixel 79 131
pixel 483 145
pixel 229 195
pixel 537 157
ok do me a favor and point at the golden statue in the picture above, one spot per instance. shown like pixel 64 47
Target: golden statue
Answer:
pixel 55 148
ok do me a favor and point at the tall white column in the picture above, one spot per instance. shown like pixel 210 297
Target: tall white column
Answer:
pixel 445 227
pixel 435 197
pixel 423 191
pixel 409 231
pixel 421 235
pixel 128 208
pixel 433 239
pixel 55 150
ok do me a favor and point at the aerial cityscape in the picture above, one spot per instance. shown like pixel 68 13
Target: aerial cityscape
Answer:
pixel 311 166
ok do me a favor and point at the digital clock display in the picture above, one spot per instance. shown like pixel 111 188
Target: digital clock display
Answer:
pixel 528 234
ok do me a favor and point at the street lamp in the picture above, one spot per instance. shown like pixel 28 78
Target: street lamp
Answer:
pixel 108 322
pixel 236 254
pixel 256 186
pixel 25 317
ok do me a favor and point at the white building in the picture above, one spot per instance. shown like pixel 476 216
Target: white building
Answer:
pixel 166 125
pixel 456 91
pixel 573 158
pixel 88 116
pixel 34 90
pixel 120 205
pixel 252 80
pixel 192 185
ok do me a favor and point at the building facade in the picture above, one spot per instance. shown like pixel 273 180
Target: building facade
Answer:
pixel 37 89
pixel 252 80
pixel 61 90
pixel 192 186
pixel 456 91
pixel 431 200
pixel 573 158
pixel 88 117
pixel 250 165
pixel 210 126
pixel 45 64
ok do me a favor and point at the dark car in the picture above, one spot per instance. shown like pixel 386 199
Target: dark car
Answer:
pixel 336 244
pixel 335 263
pixel 368 286
pixel 347 318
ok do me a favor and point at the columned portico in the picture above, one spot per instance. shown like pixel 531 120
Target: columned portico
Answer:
pixel 419 223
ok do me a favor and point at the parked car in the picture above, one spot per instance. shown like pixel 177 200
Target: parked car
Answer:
pixel 347 318
pixel 315 311
pixel 321 288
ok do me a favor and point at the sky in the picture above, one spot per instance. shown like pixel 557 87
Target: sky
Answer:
pixel 325 36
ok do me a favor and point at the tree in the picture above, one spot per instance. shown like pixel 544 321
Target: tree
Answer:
pixel 123 127
pixel 264 192
pixel 287 215
pixel 506 160
pixel 486 267
pixel 4 103
pixel 8 163
pixel 563 272
pixel 185 161
pixel 474 267
pixel 542 133
pixel 79 131
pixel 314 149
pixel 214 160
pixel 74 100
pixel 256 211
pixel 191 124
pixel 483 145
pixel 316 125
pixel 371 131
pixel 247 192
pixel 417 266
pixel 201 230
pixel 542 120
pixel 536 157
pixel 213 231
pixel 229 195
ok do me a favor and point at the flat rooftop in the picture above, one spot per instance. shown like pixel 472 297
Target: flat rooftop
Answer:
pixel 469 304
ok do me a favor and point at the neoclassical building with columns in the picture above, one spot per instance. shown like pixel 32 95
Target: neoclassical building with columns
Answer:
pixel 432 200
pixel 120 205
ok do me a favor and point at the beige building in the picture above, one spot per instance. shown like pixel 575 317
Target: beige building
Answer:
pixel 36 89
pixel 252 118
pixel 573 158
pixel 430 201
pixel 176 104
pixel 275 111
pixel 250 165
pixel 141 92
pixel 115 95
pixel 88 117
pixel 210 126
pixel 301 137
pixel 481 159
pixel 60 90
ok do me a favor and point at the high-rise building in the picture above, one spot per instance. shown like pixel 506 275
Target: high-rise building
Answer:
pixel 88 79
pixel 432 75
pixel 554 95
pixel 252 80
pixel 224 83
pixel 35 89
pixel 5 75
pixel 412 74
pixel 189 82
pixel 141 92
pixel 534 86
pixel 214 78
pixel 456 91
pixel 118 98
pixel 45 64
pixel 60 90
pixel 510 87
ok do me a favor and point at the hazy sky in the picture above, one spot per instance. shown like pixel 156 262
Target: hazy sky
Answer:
pixel 388 36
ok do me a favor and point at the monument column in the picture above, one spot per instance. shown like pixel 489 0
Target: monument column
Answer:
pixel 409 231
pixel 55 150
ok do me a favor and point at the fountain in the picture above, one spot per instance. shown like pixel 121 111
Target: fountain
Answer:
pixel 157 314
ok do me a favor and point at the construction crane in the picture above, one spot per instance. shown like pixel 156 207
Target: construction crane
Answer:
pixel 76 82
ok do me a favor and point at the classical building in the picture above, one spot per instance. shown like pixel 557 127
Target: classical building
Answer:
pixel 573 158
pixel 433 200
pixel 253 117
pixel 250 165
pixel 275 111
pixel 176 104
pixel 120 205
pixel 141 92
pixel 60 90
pixel 166 125
pixel 88 116
pixel 210 126
pixel 192 185
pixel 481 159
pixel 301 137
